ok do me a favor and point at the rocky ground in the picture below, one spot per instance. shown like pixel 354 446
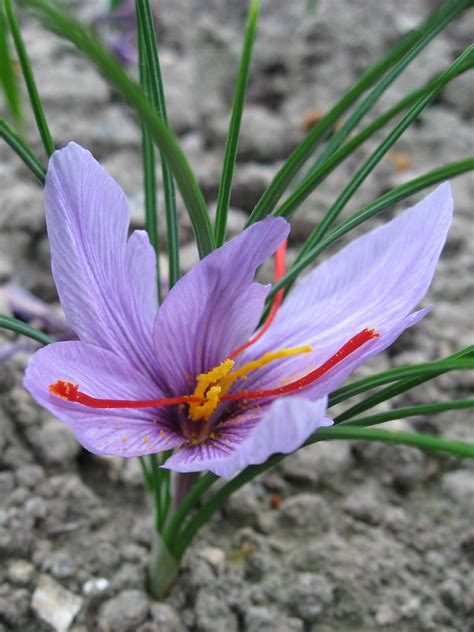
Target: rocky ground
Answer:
pixel 341 537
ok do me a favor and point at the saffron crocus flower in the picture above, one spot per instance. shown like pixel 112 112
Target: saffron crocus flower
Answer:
pixel 183 376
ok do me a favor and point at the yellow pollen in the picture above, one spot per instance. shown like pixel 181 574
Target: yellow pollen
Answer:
pixel 213 385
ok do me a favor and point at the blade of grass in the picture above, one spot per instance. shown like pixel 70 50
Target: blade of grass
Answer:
pixel 149 166
pixel 69 28
pixel 409 376
pixel 371 210
pixel 157 98
pixel 300 155
pixel 20 147
pixel 35 100
pixel 223 198
pixel 19 327
pixel 409 411
pixel 305 189
pixel 7 74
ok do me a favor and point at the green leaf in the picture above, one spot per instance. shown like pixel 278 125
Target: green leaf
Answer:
pixel 35 100
pixel 305 149
pixel 149 163
pixel 371 210
pixel 439 21
pixel 309 184
pixel 84 40
pixel 376 156
pixel 420 440
pixel 19 327
pixel 405 376
pixel 7 73
pixel 20 147
pixel 403 385
pixel 157 97
pixel 223 198
pixel 409 411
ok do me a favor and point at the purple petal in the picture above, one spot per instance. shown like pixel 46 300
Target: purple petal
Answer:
pixel 215 307
pixel 376 281
pixel 99 282
pixel 283 428
pixel 99 373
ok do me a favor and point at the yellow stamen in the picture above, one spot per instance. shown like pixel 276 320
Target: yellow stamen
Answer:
pixel 217 382
pixel 205 389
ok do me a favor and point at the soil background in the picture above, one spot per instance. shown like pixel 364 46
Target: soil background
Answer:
pixel 342 536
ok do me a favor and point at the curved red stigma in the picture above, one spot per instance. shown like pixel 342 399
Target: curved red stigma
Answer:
pixel 349 347
pixel 280 269
pixel 71 393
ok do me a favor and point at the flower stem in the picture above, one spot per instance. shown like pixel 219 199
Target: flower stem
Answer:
pixel 163 568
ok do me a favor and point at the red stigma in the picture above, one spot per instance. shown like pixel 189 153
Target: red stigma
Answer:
pixel 71 393
pixel 280 269
pixel 349 347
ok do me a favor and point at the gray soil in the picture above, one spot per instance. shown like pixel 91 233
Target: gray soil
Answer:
pixel 342 536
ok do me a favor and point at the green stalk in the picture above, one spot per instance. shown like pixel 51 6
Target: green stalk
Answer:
pixel 305 149
pixel 157 97
pixel 84 41
pixel 35 100
pixel 19 327
pixel 20 147
pixel 223 198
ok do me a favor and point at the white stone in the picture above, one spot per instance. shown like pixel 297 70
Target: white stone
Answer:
pixel 95 585
pixel 54 604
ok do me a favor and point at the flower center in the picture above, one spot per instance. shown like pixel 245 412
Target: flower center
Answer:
pixel 212 386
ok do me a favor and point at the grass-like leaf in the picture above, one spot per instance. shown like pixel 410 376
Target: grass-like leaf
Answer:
pixel 149 163
pixel 404 376
pixel 20 147
pixel 306 148
pixel 35 100
pixel 443 18
pixel 309 184
pixel 157 98
pixel 232 144
pixel 69 28
pixel 211 505
pixel 23 329
pixel 8 80
pixel 409 411
pixel 371 210
pixel 377 155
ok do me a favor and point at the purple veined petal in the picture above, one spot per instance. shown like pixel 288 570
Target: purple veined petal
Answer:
pixel 215 307
pixel 98 282
pixel 282 428
pixel 376 281
pixel 100 373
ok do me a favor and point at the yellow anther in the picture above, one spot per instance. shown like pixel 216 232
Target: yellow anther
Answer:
pixel 271 356
pixel 213 385
pixel 204 411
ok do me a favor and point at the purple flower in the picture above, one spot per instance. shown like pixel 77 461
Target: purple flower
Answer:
pixel 115 386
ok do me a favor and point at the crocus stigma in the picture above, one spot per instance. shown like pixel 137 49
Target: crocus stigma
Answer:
pixel 192 375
